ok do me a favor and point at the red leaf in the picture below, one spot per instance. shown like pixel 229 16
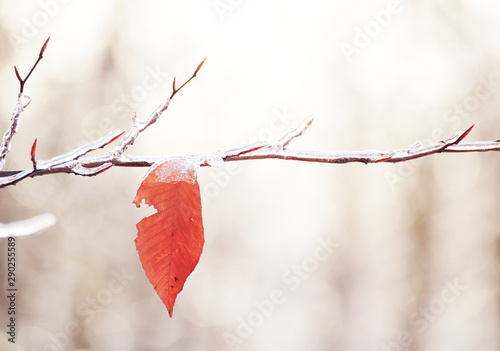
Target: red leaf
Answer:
pixel 170 241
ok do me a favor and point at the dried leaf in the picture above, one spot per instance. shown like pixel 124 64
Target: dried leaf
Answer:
pixel 170 241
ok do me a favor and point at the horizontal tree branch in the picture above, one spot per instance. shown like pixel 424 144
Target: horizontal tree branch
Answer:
pixel 77 163
pixel 80 163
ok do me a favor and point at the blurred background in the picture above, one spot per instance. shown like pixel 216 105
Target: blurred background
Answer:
pixel 298 256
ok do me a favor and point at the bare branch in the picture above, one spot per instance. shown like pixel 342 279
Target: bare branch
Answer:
pixel 82 150
pixel 73 162
pixel 65 163
pixel 22 82
pixel 296 132
pixel 22 102
pixel 243 150
pixel 80 169
pixel 32 153
pixel 417 150
pixel 139 126
pixel 79 163
pixel 187 81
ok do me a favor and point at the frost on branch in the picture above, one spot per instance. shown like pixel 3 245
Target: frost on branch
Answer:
pixel 22 102
pixel 79 163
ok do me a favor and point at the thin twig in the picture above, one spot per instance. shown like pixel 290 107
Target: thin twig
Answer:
pixel 139 126
pixel 417 150
pixel 296 132
pixel 74 162
pixel 22 102
pixel 40 57
pixel 33 153
pixel 175 91
pixel 69 162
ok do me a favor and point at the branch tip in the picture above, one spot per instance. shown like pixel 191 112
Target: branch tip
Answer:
pixel 33 152
pixel 309 120
pixel 199 67
pixel 285 140
pixel 17 74
pixel 22 82
pixel 42 50
pixel 176 90
pixel 464 134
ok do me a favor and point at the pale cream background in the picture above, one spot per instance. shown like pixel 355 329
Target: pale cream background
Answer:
pixel 402 233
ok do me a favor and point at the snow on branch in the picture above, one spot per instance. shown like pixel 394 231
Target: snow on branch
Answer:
pixel 79 163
